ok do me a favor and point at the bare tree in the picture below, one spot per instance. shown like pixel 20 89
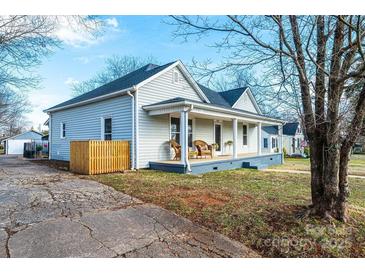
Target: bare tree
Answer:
pixel 315 63
pixel 24 42
pixel 12 108
pixel 115 67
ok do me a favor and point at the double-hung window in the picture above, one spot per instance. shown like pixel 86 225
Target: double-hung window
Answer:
pixel 107 128
pixel 274 142
pixel 175 130
pixel 244 135
pixel 266 143
pixel 63 130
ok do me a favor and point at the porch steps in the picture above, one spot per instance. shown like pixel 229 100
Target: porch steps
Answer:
pixel 254 165
pixel 258 167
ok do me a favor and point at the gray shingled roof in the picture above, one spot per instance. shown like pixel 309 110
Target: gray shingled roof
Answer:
pixel 213 96
pixel 290 128
pixel 272 130
pixel 124 82
pixel 224 99
pixel 231 96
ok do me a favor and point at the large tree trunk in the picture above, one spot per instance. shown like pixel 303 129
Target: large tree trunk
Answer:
pixel 324 180
pixel 329 167
pixel 330 180
pixel 344 192
pixel 316 157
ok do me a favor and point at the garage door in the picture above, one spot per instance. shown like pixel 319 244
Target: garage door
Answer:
pixel 16 146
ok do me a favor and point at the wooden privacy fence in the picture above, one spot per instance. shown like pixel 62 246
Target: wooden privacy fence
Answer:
pixel 96 157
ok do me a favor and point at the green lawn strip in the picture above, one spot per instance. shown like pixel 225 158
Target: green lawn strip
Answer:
pixel 356 165
pixel 256 208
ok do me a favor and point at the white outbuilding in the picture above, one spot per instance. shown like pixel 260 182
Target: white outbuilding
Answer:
pixel 15 144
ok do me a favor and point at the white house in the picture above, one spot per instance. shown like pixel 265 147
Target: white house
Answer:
pixel 15 144
pixel 154 104
pixel 293 139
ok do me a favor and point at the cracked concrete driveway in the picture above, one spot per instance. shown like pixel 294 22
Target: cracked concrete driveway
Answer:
pixel 49 213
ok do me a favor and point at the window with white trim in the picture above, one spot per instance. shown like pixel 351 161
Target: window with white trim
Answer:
pixel 266 143
pixel 244 135
pixel 107 128
pixel 175 130
pixel 63 130
pixel 274 142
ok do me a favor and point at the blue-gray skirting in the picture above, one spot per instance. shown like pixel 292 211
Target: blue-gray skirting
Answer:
pixel 255 162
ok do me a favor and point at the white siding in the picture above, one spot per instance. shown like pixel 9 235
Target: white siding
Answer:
pixel 228 136
pixel 287 140
pixel 288 144
pixel 204 130
pixel 245 103
pixel 154 132
pixel 251 138
pixel 84 123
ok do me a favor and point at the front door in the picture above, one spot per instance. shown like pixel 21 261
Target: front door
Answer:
pixel 218 138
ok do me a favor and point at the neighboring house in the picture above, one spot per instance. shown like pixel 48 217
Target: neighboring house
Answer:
pixel 359 146
pixel 15 144
pixel 155 104
pixel 270 139
pixel 293 139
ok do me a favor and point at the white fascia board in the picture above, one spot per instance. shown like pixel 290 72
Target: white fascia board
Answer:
pixel 168 110
pixel 253 100
pixel 225 116
pixel 234 113
pixel 92 100
pixel 185 73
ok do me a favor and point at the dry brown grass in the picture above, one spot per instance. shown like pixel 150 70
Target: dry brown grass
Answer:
pixel 257 208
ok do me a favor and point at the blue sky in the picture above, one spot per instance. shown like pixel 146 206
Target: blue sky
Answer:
pixel 82 56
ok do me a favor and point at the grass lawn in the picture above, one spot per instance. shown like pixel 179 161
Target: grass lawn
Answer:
pixel 356 165
pixel 256 208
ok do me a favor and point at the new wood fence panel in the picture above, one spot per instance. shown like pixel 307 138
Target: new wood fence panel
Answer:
pixel 96 157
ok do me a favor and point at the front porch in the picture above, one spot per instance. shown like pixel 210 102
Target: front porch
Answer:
pixel 232 136
pixel 219 163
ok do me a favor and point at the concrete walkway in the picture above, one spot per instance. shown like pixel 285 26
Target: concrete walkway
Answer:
pixel 49 213
pixel 303 172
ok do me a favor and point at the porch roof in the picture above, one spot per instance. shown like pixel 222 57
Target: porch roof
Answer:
pixel 178 104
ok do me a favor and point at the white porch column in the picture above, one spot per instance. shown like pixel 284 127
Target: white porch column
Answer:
pixel 234 125
pixel 259 141
pixel 281 143
pixel 184 138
